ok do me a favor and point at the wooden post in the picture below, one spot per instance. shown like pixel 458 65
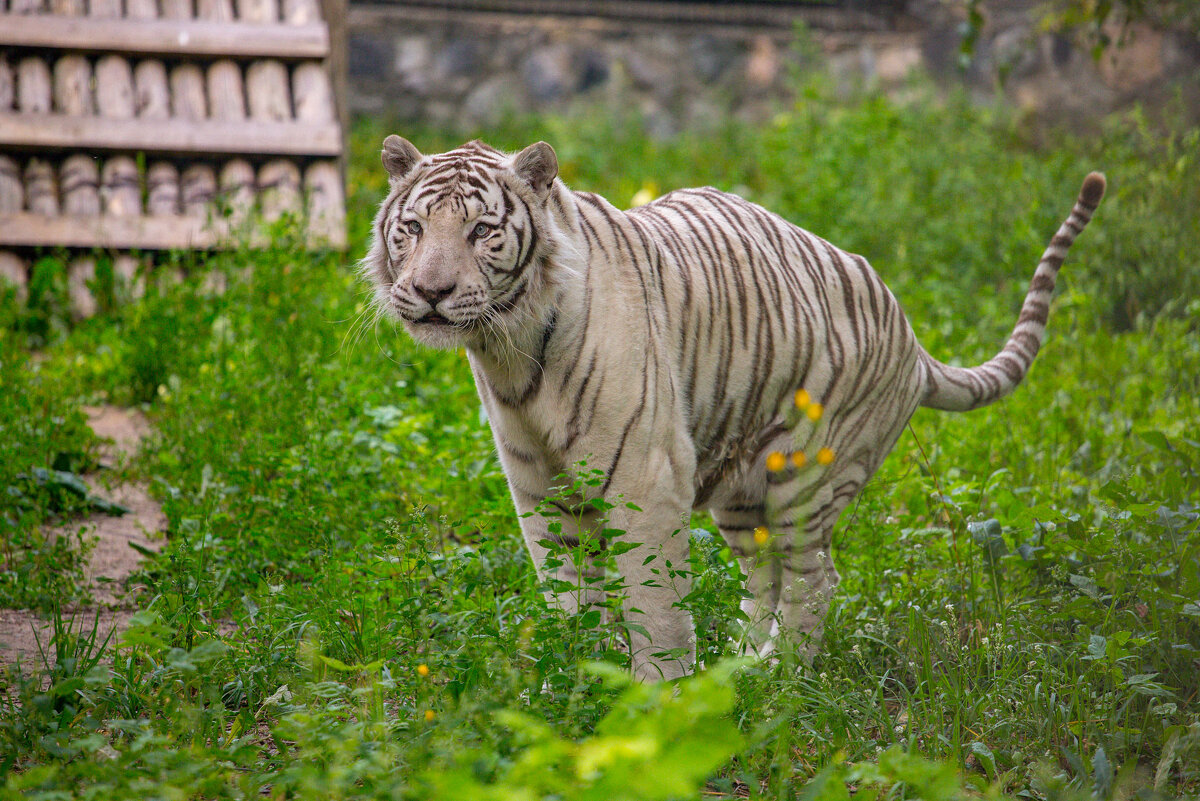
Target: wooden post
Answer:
pixel 141 9
pixel 187 93
pixel 237 190
pixel 14 273
pixel 121 189
pixel 41 188
pixel 68 8
pixel 114 87
pixel 301 12
pixel 153 102
pixel 8 88
pixel 153 98
pixel 177 9
pixel 162 188
pixel 314 100
pixel 258 10
pixel 267 91
pixel 120 184
pixel 104 9
pixel 279 188
pixel 73 86
pixel 33 85
pixel 325 203
pixel 129 280
pixel 80 182
pixel 121 192
pixel 225 95
pixel 334 12
pixel 197 188
pixel 12 194
pixel 12 199
pixel 216 10
pixel 81 274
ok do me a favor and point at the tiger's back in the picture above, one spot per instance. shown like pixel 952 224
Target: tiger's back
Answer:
pixel 760 308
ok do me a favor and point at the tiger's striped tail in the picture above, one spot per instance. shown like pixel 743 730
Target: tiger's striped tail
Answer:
pixel 959 389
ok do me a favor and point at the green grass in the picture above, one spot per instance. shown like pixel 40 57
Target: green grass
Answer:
pixel 1018 613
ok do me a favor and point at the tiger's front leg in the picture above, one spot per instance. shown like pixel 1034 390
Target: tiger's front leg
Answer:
pixel 651 496
pixel 646 530
pixel 553 544
pixel 655 580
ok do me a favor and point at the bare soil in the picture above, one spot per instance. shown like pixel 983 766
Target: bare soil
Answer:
pixel 112 559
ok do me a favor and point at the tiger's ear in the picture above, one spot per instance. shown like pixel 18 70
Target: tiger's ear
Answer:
pixel 399 156
pixel 537 166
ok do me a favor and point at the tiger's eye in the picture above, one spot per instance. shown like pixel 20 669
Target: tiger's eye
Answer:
pixel 481 230
pixel 414 227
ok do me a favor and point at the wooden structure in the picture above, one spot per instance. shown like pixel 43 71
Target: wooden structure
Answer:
pixel 144 125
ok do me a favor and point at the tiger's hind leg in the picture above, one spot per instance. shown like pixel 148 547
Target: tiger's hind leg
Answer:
pixel 738 520
pixel 808 577
pixel 791 575
pixel 763 516
pixel 803 504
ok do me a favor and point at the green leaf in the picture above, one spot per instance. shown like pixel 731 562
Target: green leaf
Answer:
pixel 1085 585
pixel 1102 774
pixel 986 759
pixel 590 619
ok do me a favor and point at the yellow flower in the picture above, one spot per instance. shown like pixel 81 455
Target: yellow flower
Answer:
pixel 422 670
pixel 814 411
pixel 776 461
pixel 799 458
pixel 761 535
pixel 825 456
pixel 802 399
pixel 644 195
pixel 429 716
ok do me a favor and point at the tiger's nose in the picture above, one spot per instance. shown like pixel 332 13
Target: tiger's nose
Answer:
pixel 434 291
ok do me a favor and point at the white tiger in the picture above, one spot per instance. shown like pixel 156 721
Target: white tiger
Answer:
pixel 665 346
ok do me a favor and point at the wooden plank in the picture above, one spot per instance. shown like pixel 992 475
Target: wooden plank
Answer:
pixel 718 18
pixel 171 136
pixel 166 37
pixel 147 232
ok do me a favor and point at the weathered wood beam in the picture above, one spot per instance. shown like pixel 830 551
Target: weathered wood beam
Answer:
pixel 142 232
pixel 62 131
pixel 165 37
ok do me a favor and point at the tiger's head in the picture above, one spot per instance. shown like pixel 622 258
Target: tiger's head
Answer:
pixel 461 245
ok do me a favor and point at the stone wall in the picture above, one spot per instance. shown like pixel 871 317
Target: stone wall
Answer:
pixel 468 67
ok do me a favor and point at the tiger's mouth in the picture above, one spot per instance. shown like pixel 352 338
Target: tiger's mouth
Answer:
pixel 433 318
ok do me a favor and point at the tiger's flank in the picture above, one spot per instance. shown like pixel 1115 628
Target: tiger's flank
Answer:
pixel 668 346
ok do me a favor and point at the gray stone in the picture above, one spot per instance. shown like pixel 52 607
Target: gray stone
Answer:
pixel 413 63
pixel 703 114
pixel 369 55
pixel 657 121
pixel 1014 53
pixel 470 69
pixel 652 73
pixel 763 63
pixel 490 101
pixel 457 58
pixel 712 56
pixel 895 60
pixel 549 73
pixel 593 68
pixel 1181 53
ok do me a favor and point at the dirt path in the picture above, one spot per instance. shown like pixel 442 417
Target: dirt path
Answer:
pixel 112 560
